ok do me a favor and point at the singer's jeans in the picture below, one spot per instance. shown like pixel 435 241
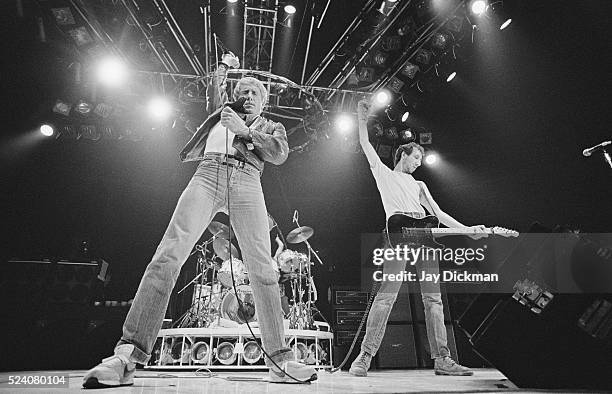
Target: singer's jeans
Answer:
pixel 386 296
pixel 205 195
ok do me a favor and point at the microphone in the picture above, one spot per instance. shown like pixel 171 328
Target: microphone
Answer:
pixel 589 151
pixel 238 105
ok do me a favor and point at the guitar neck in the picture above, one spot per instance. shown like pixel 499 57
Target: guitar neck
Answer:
pixel 457 231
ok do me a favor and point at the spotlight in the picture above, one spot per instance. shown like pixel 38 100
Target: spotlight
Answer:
pixel 160 108
pixel 316 354
pixel 180 351
pixel 252 352
pixel 478 7
pixel 289 9
pixel 391 133
pixel 505 24
pixel 382 98
pixel 47 130
pixel 405 116
pixel 62 107
pixel 83 107
pixel 431 159
pixel 112 72
pixel 232 1
pixel 200 353
pixel 344 123
pixel 225 353
pixel 451 76
pixel 378 129
pixel 406 135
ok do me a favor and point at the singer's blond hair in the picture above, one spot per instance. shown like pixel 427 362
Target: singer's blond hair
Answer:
pixel 255 82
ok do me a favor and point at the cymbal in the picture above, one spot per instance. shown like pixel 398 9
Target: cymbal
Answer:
pixel 220 230
pixel 221 248
pixel 271 222
pixel 299 234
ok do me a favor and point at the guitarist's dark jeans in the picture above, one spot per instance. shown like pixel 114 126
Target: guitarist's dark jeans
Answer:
pixel 385 298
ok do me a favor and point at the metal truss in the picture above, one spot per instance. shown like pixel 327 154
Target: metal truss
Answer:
pixel 260 18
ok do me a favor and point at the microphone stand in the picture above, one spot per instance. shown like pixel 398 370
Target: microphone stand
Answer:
pixel 606 156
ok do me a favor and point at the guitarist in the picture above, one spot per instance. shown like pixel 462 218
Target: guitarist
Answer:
pixel 402 194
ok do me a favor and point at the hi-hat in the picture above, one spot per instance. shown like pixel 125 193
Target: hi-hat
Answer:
pixel 221 248
pixel 299 234
pixel 220 230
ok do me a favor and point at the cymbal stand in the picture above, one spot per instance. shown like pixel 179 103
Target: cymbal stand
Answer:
pixel 197 310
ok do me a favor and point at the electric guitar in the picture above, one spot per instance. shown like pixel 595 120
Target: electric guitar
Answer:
pixel 405 230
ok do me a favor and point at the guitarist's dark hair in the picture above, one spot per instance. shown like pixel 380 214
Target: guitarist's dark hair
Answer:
pixel 407 148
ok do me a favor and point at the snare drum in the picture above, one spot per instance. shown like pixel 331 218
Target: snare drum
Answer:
pixel 240 274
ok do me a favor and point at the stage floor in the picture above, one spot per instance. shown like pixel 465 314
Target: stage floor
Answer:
pixel 385 381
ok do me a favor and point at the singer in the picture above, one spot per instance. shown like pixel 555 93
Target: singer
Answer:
pixel 232 149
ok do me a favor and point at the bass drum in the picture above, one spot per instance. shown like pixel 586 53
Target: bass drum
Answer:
pixel 230 306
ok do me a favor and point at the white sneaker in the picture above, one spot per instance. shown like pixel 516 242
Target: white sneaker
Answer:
pixel 113 371
pixel 290 371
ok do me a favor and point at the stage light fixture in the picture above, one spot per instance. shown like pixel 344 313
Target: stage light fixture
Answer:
pixel 225 353
pixel 344 123
pixel 382 98
pixel 301 351
pixel 391 133
pixel 431 159
pixel 451 76
pixel 290 9
pixel 180 351
pixel 440 40
pixel 478 7
pixel 112 72
pixel 376 127
pixel 83 107
pixel 47 130
pixel 316 354
pixel 232 1
pixel 406 135
pixel 252 352
pixel 200 353
pixel 405 116
pixel 62 107
pixel 160 108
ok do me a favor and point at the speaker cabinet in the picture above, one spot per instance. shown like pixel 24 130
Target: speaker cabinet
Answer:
pixel 398 349
pixel 563 346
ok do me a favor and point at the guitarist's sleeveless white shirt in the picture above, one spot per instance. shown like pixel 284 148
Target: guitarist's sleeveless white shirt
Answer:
pixel 399 192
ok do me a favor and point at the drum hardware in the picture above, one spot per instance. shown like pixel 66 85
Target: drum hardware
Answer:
pixel 220 230
pixel 216 298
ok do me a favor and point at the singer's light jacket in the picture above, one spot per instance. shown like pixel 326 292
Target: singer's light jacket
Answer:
pixel 269 138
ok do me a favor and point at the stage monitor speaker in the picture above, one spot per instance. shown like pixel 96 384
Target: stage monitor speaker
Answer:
pixel 565 345
pixel 398 349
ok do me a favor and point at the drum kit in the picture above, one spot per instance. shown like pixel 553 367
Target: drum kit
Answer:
pixel 221 299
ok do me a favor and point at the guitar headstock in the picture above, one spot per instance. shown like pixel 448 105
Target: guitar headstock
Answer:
pixel 504 232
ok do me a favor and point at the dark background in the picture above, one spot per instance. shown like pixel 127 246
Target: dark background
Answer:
pixel 509 130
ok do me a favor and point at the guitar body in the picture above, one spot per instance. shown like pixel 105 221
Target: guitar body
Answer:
pixel 406 230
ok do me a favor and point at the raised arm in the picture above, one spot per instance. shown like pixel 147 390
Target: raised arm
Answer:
pixel 217 92
pixel 363 108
